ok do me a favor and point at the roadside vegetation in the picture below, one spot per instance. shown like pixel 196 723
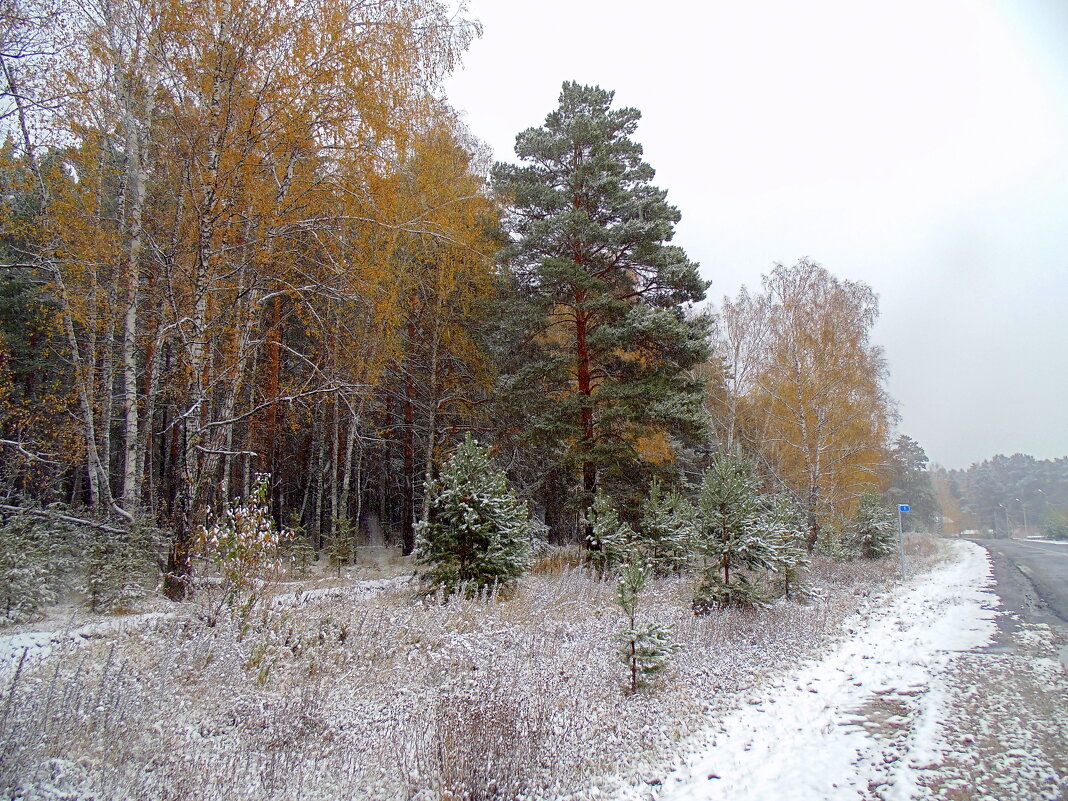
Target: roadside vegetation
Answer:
pixel 269 310
pixel 372 688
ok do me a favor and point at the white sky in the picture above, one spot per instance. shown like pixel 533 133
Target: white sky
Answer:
pixel 920 146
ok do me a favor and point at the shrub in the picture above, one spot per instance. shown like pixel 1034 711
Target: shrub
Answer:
pixel 245 546
pixel 1055 526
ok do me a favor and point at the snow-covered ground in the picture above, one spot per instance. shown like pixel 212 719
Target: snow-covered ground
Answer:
pixel 862 721
pixel 27 647
pixel 33 645
pixel 400 696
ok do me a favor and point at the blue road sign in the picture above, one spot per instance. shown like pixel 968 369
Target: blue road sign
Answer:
pixel 903 507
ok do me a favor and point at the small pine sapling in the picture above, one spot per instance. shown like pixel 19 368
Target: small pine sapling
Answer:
pixel 610 541
pixel 31 565
pixel 301 552
pixel 476 533
pixel 539 536
pixel 667 529
pixel 644 647
pixel 101 577
pixel 872 532
pixel 122 568
pixel 342 545
pixel 785 522
pixel 733 536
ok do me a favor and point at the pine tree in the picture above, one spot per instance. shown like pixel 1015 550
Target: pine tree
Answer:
pixel 604 386
pixel 872 531
pixel 342 545
pixel 610 541
pixel 667 529
pixel 785 522
pixel 302 553
pixel 30 567
pixel 733 535
pixel 477 532
pixel 644 647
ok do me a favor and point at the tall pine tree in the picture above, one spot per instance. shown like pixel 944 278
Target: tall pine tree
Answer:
pixel 603 385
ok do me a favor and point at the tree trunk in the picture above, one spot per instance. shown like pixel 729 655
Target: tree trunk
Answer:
pixel 408 480
pixel 585 388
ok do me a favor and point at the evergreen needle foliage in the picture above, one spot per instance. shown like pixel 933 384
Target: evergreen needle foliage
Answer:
pixel 735 536
pixel 873 531
pixel 477 533
pixel 343 544
pixel 601 301
pixel 33 558
pixel 667 530
pixel 611 541
pixel 785 520
pixel 644 647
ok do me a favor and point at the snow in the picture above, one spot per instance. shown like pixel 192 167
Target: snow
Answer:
pixel 865 716
pixel 357 589
pixel 37 645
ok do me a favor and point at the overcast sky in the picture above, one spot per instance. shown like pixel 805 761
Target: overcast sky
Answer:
pixel 920 146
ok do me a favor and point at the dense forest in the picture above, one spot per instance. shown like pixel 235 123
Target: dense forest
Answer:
pixel 1008 494
pixel 250 248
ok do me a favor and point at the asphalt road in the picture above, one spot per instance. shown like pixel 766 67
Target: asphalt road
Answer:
pixel 1032 579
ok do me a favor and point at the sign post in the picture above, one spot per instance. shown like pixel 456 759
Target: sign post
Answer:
pixel 901 509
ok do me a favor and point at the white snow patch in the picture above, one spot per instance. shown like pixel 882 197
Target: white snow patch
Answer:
pixel 37 645
pixel 824 733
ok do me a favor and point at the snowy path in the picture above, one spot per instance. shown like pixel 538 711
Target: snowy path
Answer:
pixel 864 720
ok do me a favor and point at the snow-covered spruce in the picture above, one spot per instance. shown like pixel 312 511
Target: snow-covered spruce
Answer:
pixel 477 532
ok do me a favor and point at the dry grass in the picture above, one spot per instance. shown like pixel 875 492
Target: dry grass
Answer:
pixel 557 560
pixel 395 696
